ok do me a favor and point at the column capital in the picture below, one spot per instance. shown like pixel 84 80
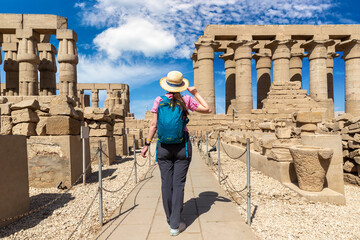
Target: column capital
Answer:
pixel 350 48
pixel 242 48
pixel 263 60
pixel 205 48
pixel 330 59
pixel 27 51
pixel 47 57
pixel 228 59
pixel 67 46
pixel 10 60
pixel 280 48
pixel 317 48
pixel 194 59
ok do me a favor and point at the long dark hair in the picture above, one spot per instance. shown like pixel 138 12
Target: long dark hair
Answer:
pixel 177 98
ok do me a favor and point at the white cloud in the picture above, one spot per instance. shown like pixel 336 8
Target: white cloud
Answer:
pixel 138 35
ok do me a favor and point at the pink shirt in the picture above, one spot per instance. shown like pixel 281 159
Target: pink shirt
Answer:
pixel 190 103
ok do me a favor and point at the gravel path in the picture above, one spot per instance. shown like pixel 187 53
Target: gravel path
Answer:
pixel 282 214
pixel 59 220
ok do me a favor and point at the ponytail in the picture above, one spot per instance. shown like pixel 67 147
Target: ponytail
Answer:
pixel 178 99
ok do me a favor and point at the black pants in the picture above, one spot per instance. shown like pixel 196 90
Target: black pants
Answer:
pixel 173 166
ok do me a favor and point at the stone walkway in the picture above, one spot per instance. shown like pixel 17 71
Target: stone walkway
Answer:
pixel 208 211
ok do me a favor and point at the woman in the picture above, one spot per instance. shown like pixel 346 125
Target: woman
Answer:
pixel 172 158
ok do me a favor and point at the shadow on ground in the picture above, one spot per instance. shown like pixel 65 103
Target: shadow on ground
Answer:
pixel 194 207
pixel 35 218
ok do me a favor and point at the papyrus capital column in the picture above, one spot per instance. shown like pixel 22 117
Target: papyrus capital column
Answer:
pixel 196 68
pixel 95 98
pixel 205 54
pixel 11 67
pixel 330 67
pixel 230 87
pixel 47 68
pixel 296 64
pixel 68 59
pixel 281 53
pixel 263 70
pixel 351 55
pixel 28 59
pixel 242 57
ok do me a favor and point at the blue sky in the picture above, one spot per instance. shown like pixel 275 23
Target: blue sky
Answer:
pixel 139 41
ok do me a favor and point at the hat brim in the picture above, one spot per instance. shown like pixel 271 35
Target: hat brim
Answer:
pixel 169 88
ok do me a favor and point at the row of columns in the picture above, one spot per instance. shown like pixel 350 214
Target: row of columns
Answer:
pixel 22 62
pixel 287 66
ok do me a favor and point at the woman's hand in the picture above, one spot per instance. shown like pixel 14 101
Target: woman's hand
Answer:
pixel 192 90
pixel 144 151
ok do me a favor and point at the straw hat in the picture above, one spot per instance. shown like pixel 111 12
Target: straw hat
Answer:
pixel 174 82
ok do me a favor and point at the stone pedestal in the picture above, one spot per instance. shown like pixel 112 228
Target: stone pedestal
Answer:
pixel 55 159
pixel 242 57
pixel 47 68
pixel 281 53
pixel 108 147
pixel 205 55
pixel 11 67
pixel 351 55
pixel 14 183
pixel 28 59
pixel 263 68
pixel 68 59
pixel 230 87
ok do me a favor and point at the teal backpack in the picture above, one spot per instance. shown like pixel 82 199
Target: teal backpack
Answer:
pixel 171 123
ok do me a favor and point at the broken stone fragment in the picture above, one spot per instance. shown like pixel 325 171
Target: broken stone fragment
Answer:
pixel 5 109
pixel 308 127
pixel 6 125
pixel 308 117
pixel 344 117
pixel 60 99
pixel 24 115
pixel 31 103
pixel 283 133
pixel 100 133
pixel 3 100
pixel 41 126
pixel 349 166
pixel 280 155
pixel 63 108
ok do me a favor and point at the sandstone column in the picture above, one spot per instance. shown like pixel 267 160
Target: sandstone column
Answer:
pixel 242 57
pixel 205 48
pixel 95 98
pixel 11 67
pixel 317 54
pixel 330 82
pixel 196 68
pixel 47 68
pixel 228 58
pixel 281 53
pixel 28 59
pixel 296 64
pixel 68 59
pixel 263 70
pixel 351 55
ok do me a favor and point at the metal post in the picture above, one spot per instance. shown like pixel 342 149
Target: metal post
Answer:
pixel 219 166
pixel 127 142
pixel 100 186
pixel 135 159
pixel 149 156
pixel 84 159
pixel 207 149
pixel 248 181
pixel 233 115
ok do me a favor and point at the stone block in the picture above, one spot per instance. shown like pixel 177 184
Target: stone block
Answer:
pixel 6 125
pixel 350 167
pixel 63 108
pixel 120 143
pixel 62 125
pixel 267 126
pixel 25 115
pixel 42 114
pixel 357 160
pixel 354 153
pixel 282 133
pixel 353 144
pixel 345 130
pixel 108 147
pixel 308 127
pixel 105 125
pixel 344 117
pixel 346 137
pixel 119 129
pixel 31 103
pixel 14 183
pixel 60 99
pixel 132 124
pixel 100 133
pixel 280 155
pixel 346 153
pixel 308 117
pixel 3 100
pixel 5 109
pixel 55 159
pixel 27 129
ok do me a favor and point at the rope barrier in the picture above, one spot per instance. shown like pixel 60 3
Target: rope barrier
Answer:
pixel 49 203
pixel 213 145
pixel 119 189
pixel 231 156
pixel 83 217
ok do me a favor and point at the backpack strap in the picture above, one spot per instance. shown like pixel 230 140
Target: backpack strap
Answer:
pixel 186 145
pixel 157 146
